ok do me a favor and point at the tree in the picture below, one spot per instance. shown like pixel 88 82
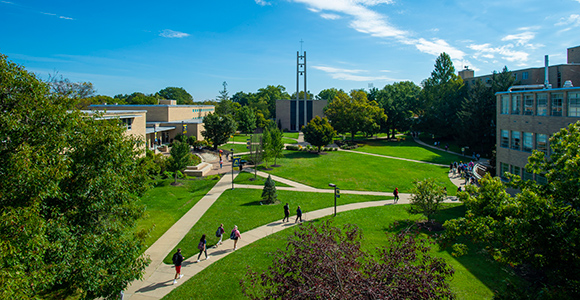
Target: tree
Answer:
pixel 242 98
pixel 441 98
pixel 276 145
pixel 325 262
pixel 353 113
pixel 319 132
pixel 73 90
pixel 266 145
pixel 270 94
pixel 246 120
pixel 301 95
pixel 328 94
pixel 218 129
pixel 269 195
pixel 180 158
pixel 477 119
pixel 426 198
pixel 139 98
pixel 537 230
pixel 68 196
pixel 177 93
pixel 398 102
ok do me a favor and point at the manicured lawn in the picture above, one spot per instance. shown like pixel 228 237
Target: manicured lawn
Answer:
pixel 238 148
pixel 476 277
pixel 352 171
pixel 288 141
pixel 242 207
pixel 165 204
pixel 240 137
pixel 292 135
pixel 244 178
pixel 409 149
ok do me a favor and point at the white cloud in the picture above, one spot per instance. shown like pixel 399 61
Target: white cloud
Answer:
pixel 168 33
pixel 506 52
pixel 262 2
pixel 520 38
pixel 375 24
pixel 66 18
pixel 330 16
pixel 572 21
pixel 55 15
pixel 351 75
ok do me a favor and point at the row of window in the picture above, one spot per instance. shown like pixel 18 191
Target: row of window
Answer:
pixel 128 123
pixel 524 141
pixel 202 109
pixel 507 168
pixel 524 76
pixel 526 107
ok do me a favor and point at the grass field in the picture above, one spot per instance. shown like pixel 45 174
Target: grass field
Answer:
pixel 246 178
pixel 352 171
pixel 476 277
pixel 409 149
pixel 238 148
pixel 242 207
pixel 165 204
pixel 292 135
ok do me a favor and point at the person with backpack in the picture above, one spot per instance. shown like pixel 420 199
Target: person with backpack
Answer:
pixel 177 260
pixel 220 233
pixel 202 246
pixel 286 213
pixel 396 194
pixel 235 235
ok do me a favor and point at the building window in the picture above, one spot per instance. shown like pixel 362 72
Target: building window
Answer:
pixel 505 168
pixel 524 75
pixel 528 104
pixel 516 170
pixel 541 179
pixel 516 101
pixel 541 104
pixel 505 104
pixel 515 76
pixel 505 139
pixel 128 123
pixel 557 104
pixel 527 142
pixel 528 176
pixel 573 104
pixel 542 142
pixel 516 140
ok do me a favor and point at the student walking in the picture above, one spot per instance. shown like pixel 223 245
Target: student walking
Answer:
pixel 177 260
pixel 298 214
pixel 235 235
pixel 286 213
pixel 220 233
pixel 396 194
pixel 202 246
pixel 221 162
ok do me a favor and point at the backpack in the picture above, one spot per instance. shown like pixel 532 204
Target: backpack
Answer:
pixel 218 233
pixel 200 246
pixel 233 235
pixel 175 258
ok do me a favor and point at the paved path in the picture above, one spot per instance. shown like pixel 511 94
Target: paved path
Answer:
pixel 158 277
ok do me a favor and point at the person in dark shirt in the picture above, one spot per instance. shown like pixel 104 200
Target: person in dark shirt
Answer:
pixel 286 213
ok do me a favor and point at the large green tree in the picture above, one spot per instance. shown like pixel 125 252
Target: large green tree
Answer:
pixel 218 128
pixel 246 120
pixel 176 93
pixel 537 229
pixel 441 98
pixel 328 94
pixel 270 94
pixel 353 113
pixel 69 187
pixel 319 132
pixel 398 100
pixel 139 98
pixel 180 158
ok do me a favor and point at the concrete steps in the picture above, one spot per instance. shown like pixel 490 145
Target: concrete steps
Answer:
pixel 199 170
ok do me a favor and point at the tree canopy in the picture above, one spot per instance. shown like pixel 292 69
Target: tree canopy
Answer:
pixel 180 157
pixel 536 231
pixel 68 196
pixel 176 93
pixel 353 113
pixel 319 132
pixel 399 100
pixel 218 128
pixel 324 262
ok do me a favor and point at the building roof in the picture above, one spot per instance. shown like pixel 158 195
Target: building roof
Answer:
pixel 149 130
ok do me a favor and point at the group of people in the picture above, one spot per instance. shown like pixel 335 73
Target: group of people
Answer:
pixel 202 247
pixel 287 214
pixel 465 170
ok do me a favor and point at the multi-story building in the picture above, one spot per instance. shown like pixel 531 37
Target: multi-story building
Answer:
pixel 558 74
pixel 526 118
pixel 287 116
pixel 165 120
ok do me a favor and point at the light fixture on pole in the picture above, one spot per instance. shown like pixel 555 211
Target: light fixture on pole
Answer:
pixel 232 167
pixel 336 195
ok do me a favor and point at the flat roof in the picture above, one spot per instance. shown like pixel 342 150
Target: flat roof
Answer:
pixel 540 90
pixel 149 130
pixel 148 105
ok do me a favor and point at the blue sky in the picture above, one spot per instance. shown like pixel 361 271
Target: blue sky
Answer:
pixel 145 46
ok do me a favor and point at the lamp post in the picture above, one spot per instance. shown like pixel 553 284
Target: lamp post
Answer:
pixel 232 168
pixel 336 195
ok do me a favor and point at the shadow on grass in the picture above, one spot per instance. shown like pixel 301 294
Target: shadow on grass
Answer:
pixel 301 154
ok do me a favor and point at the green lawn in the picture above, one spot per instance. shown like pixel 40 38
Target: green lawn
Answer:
pixel 242 207
pixel 289 141
pixel 292 135
pixel 165 204
pixel 352 171
pixel 476 277
pixel 245 178
pixel 238 148
pixel 240 137
pixel 409 149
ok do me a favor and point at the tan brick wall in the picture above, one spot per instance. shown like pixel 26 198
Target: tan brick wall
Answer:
pixel 283 110
pixel 163 113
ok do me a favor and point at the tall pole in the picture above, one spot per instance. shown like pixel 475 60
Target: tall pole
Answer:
pixel 232 168
pixel 305 95
pixel 297 90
